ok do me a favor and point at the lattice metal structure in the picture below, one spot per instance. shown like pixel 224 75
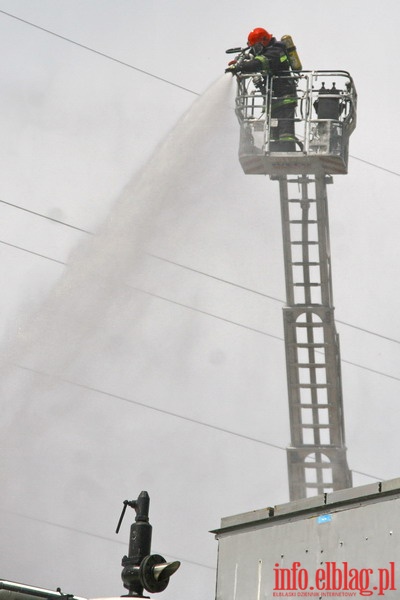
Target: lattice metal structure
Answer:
pixel 317 455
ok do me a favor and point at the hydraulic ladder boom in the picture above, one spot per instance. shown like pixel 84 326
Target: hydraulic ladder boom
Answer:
pixel 317 455
pixel 326 117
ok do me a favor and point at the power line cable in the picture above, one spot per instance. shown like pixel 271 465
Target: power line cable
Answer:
pixel 209 314
pixel 102 54
pixel 380 335
pixel 32 252
pixel 32 212
pixel 254 329
pixel 222 280
pixel 204 312
pixel 251 290
pixel 94 535
pixel 150 407
pixel 371 164
pixel 165 412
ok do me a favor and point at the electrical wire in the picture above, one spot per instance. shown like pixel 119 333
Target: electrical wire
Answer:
pixel 32 252
pixel 166 412
pixel 94 535
pixel 32 212
pixel 102 54
pixel 247 289
pixel 221 279
pixel 224 319
pixel 254 329
pixel 150 407
pixel 182 266
pixel 371 164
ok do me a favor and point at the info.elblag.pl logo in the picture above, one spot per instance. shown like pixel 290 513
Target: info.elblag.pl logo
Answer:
pixel 333 579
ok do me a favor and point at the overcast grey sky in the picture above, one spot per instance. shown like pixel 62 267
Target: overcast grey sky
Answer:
pixel 87 357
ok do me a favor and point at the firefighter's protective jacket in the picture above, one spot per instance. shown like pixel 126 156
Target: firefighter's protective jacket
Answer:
pixel 273 60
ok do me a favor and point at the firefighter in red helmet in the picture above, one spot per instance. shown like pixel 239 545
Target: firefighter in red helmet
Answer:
pixel 268 55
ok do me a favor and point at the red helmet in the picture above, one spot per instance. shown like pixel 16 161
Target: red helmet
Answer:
pixel 259 35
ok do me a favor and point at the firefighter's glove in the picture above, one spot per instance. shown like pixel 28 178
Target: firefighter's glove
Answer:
pixel 231 69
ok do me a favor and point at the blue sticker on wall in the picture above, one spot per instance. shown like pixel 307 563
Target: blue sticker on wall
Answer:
pixel 324 519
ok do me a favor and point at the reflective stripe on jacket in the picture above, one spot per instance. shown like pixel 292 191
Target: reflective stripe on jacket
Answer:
pixel 274 61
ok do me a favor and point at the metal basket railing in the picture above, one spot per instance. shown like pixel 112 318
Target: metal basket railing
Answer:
pixel 324 110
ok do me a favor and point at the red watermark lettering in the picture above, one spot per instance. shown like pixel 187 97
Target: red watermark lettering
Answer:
pixel 332 579
pixel 294 578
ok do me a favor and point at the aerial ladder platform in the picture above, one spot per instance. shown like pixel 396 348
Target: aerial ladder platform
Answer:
pixel 324 119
